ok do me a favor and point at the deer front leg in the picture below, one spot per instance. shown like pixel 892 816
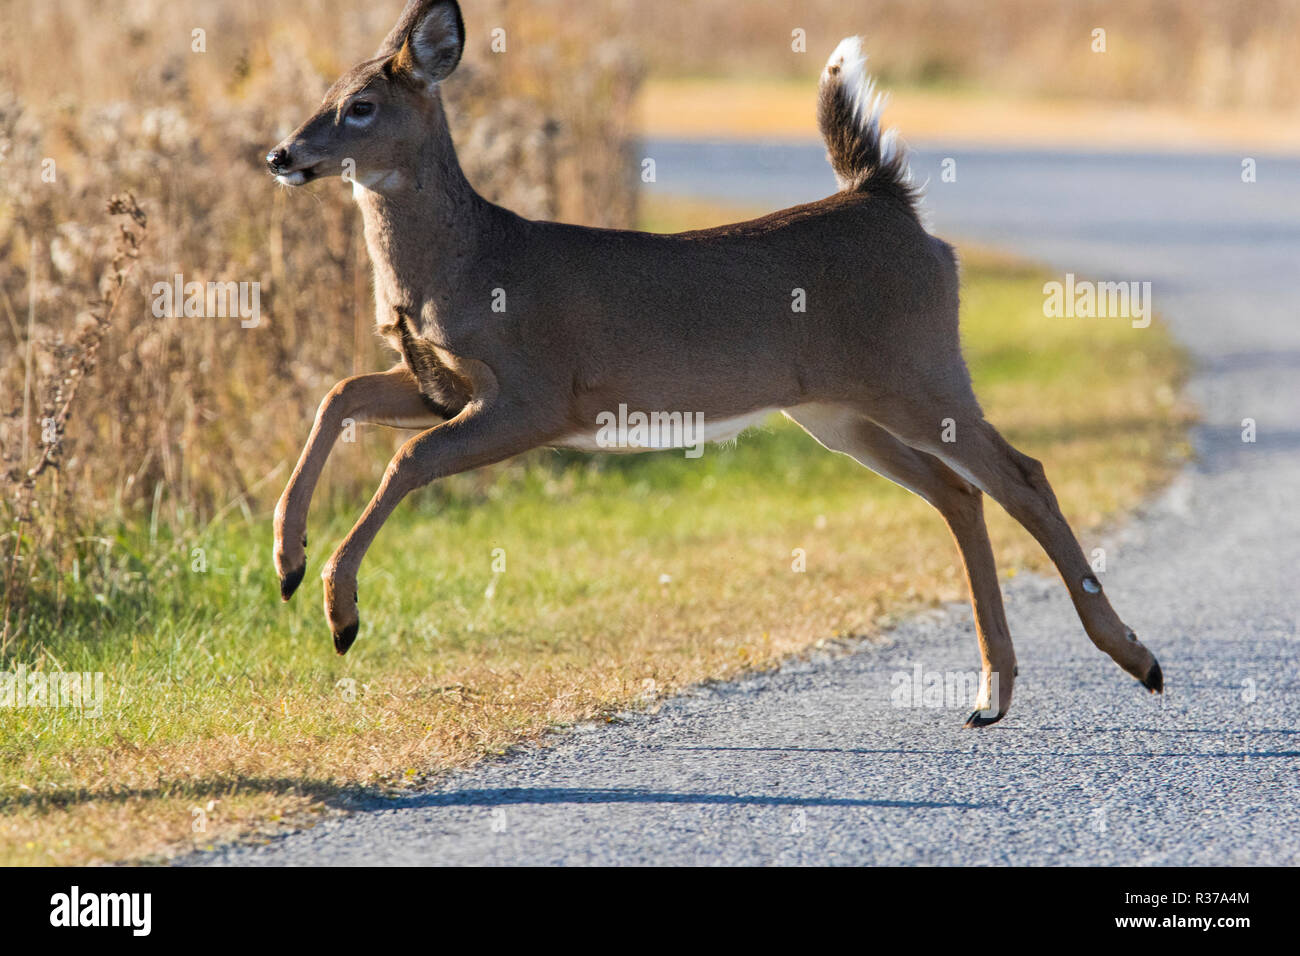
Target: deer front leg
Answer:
pixel 384 398
pixel 480 435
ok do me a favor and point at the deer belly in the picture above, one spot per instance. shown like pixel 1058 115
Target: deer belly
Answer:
pixel 625 432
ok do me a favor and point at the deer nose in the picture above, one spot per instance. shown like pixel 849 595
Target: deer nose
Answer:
pixel 278 159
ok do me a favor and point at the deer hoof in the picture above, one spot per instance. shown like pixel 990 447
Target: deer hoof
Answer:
pixel 345 637
pixel 1155 679
pixel 289 583
pixel 978 720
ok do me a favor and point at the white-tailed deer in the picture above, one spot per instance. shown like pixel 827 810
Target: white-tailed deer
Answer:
pixel 699 323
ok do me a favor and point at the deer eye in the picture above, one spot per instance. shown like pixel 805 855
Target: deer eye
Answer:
pixel 361 108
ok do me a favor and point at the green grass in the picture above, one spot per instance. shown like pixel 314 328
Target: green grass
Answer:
pixel 625 578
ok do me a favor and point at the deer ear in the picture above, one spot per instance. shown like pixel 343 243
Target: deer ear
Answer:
pixel 434 39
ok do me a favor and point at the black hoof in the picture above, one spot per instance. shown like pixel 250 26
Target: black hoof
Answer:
pixel 344 639
pixel 289 583
pixel 977 720
pixel 1155 679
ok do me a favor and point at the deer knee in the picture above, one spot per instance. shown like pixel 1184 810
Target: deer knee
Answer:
pixel 1036 478
pixel 1033 471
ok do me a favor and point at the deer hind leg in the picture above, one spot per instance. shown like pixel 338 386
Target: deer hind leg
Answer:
pixel 1017 482
pixel 384 398
pixel 962 507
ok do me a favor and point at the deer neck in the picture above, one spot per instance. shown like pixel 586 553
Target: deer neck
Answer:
pixel 422 224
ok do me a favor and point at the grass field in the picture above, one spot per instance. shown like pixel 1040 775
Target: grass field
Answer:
pixel 559 589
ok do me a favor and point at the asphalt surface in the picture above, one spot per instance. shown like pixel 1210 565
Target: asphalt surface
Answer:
pixel 822 762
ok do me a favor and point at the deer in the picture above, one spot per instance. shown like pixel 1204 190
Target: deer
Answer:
pixel 701 321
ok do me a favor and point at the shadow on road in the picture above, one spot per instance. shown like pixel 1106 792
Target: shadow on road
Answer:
pixel 558 795
pixel 911 752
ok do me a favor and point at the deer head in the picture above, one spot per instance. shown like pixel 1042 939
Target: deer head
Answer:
pixel 376 120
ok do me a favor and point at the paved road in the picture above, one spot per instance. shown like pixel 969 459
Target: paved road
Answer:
pixel 817 764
